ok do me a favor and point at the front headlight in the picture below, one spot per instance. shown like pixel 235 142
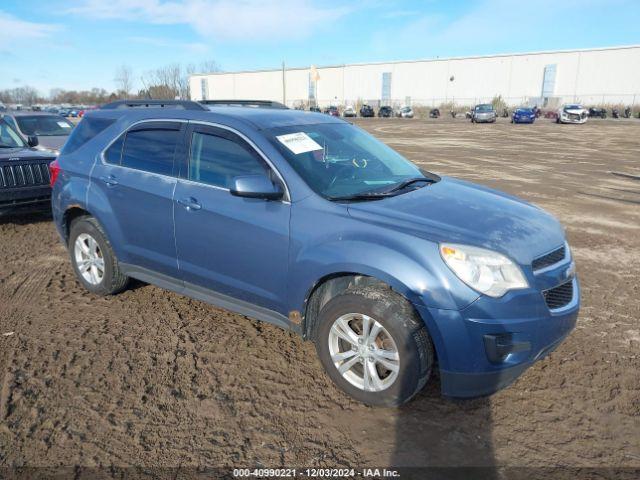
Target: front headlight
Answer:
pixel 483 270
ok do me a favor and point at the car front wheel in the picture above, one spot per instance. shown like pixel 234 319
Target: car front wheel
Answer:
pixel 374 346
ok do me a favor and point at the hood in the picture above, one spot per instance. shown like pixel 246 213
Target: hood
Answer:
pixel 24 154
pixel 461 212
pixel 54 142
pixel 577 111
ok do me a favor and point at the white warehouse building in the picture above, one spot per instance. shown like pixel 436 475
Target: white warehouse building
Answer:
pixel 590 76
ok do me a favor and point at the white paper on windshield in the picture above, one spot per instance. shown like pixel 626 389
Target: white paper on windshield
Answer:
pixel 299 142
pixel 63 125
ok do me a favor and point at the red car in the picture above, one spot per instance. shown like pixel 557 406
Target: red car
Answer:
pixel 333 111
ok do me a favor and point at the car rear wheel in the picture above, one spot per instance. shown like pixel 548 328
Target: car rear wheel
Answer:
pixel 374 346
pixel 93 260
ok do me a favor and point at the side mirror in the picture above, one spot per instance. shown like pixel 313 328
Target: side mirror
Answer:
pixel 32 141
pixel 256 186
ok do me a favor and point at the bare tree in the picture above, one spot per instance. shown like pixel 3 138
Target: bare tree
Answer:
pixel 169 82
pixel 209 66
pixel 23 95
pixel 124 80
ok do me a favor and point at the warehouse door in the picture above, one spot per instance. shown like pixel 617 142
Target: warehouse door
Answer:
pixel 548 83
pixel 386 88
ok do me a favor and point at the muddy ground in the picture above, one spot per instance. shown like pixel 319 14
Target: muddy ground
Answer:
pixel 152 378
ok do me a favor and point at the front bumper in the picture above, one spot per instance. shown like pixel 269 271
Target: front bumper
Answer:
pixel 570 119
pixel 488 345
pixel 485 119
pixel 25 199
pixel 524 119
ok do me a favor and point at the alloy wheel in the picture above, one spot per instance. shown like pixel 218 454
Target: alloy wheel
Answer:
pixel 89 259
pixel 364 352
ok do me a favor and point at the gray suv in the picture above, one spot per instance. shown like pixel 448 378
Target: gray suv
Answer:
pixel 483 113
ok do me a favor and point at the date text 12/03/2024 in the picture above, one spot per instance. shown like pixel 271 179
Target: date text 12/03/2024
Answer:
pixel 315 473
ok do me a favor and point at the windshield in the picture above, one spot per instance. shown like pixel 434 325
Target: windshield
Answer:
pixel 573 107
pixel 524 110
pixel 9 138
pixel 340 159
pixel 484 108
pixel 44 125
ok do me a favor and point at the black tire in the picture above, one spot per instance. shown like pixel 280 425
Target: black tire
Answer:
pixel 113 280
pixel 398 317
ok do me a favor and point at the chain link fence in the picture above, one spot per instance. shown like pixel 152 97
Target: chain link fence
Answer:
pixel 446 105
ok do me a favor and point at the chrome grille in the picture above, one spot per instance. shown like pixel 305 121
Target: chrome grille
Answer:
pixel 24 175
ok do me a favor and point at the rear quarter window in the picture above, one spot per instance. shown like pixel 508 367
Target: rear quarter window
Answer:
pixel 87 129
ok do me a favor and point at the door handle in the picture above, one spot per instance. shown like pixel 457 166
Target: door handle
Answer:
pixel 190 203
pixel 110 180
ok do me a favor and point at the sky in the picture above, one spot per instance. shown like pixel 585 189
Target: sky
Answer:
pixel 79 44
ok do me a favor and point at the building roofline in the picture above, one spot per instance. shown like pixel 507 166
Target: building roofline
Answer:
pixel 425 60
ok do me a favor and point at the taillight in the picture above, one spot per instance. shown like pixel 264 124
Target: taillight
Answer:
pixel 54 171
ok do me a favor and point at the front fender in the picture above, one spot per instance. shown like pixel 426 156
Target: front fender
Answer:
pixel 418 278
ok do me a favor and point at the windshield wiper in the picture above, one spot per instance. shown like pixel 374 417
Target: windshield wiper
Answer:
pixel 409 181
pixel 362 196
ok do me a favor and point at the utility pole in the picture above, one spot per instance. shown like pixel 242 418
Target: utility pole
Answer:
pixel 284 85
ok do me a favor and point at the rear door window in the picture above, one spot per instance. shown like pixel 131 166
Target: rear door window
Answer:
pixel 150 148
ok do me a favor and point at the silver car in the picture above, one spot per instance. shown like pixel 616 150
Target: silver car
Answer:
pixel 51 130
pixel 572 113
pixel 483 113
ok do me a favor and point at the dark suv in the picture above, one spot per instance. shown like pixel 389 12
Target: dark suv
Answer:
pixel 367 111
pixel 308 222
pixel 385 112
pixel 24 173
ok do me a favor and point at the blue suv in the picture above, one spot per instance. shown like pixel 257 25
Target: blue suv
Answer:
pixel 308 222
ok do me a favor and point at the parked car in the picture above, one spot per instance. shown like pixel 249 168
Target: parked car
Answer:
pixel 51 130
pixel 367 111
pixel 312 224
pixel 523 115
pixel 434 113
pixel 385 112
pixel 349 112
pixel 315 109
pixel 572 113
pixel 598 112
pixel 24 173
pixel 333 111
pixel 484 113
pixel 405 112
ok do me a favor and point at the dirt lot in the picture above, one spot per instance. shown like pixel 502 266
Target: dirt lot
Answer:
pixel 152 378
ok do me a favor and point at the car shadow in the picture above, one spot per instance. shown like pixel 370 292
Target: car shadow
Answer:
pixel 443 438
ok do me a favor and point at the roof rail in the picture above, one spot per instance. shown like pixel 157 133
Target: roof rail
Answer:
pixel 151 103
pixel 245 103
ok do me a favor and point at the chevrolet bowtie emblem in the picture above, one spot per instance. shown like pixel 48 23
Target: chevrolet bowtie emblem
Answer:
pixel 571 271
